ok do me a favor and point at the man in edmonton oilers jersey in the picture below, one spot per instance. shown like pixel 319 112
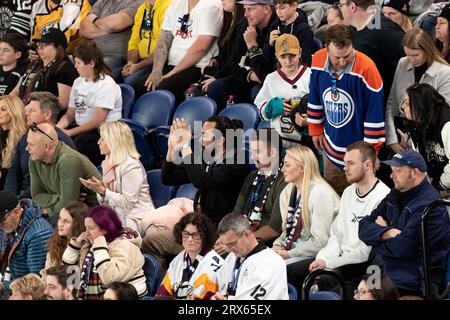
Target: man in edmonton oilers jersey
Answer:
pixel 345 102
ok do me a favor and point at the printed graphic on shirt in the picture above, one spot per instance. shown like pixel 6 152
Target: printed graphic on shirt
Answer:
pixel 339 107
pixel 147 25
pixel 184 31
pixel 80 105
pixel 5 18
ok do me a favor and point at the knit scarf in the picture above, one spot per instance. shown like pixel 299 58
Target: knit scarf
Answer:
pixel 90 285
pixel 257 197
pixel 294 223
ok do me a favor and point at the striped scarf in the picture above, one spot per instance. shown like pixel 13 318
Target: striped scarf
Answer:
pixel 294 223
pixel 90 285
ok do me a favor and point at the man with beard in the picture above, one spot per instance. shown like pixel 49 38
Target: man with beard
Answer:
pixel 260 190
pixel 58 283
pixel 213 169
pixel 344 250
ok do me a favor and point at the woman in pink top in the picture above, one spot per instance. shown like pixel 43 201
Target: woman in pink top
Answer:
pixel 124 186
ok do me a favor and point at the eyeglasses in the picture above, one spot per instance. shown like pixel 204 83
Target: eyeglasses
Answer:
pixel 233 244
pixel 334 88
pixel 184 24
pixel 360 292
pixel 195 235
pixel 35 128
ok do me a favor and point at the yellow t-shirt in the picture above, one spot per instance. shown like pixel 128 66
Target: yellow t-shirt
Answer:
pixel 147 27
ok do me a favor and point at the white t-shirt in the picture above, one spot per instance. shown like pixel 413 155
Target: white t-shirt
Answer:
pixel 86 96
pixel 262 276
pixel 344 246
pixel 206 18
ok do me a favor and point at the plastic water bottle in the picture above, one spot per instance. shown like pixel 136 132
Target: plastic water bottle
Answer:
pixel 230 101
pixel 295 98
pixel 189 94
pixel 314 288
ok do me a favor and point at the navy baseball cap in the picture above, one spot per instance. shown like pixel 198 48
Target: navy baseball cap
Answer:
pixel 8 201
pixel 408 158
pixel 268 2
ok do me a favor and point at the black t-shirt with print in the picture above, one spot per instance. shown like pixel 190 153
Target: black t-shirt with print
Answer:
pixel 9 79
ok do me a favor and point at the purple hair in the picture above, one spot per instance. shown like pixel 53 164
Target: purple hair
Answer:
pixel 107 220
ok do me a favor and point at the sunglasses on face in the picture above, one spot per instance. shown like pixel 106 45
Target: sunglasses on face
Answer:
pixel 35 128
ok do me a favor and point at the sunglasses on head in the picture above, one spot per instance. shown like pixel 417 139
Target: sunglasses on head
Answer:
pixel 334 83
pixel 35 128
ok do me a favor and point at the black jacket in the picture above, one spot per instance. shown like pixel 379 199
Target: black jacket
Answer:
pixel 256 62
pixel 299 28
pixel 218 187
pixel 382 44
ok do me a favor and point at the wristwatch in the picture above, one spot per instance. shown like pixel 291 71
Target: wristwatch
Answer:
pixel 253 49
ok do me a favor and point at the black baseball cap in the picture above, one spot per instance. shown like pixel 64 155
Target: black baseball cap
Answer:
pixel 8 201
pixel 54 36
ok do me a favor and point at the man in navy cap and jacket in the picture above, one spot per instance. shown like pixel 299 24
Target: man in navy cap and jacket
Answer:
pixel 24 234
pixel 393 229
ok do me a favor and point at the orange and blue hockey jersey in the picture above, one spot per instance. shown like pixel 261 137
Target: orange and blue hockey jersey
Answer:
pixel 346 108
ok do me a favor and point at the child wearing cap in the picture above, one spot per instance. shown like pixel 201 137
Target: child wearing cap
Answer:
pixel 293 21
pixel 291 79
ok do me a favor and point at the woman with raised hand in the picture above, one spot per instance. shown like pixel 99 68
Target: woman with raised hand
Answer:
pixel 124 187
pixel 107 253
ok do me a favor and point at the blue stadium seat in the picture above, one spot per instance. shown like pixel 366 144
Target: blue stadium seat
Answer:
pixel 292 291
pixel 324 295
pixel 160 193
pixel 142 146
pixel 152 270
pixel 246 112
pixel 263 124
pixel 310 280
pixel 154 109
pixel 187 191
pixel 128 96
pixel 317 44
pixel 194 109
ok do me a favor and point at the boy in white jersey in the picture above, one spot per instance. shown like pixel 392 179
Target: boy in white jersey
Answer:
pixel 344 250
pixel 251 271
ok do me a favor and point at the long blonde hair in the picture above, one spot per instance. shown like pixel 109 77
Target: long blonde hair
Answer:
pixel 417 39
pixel 304 156
pixel 119 138
pixel 18 127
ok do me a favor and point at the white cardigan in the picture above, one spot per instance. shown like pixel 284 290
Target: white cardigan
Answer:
pixel 129 196
pixel 323 207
